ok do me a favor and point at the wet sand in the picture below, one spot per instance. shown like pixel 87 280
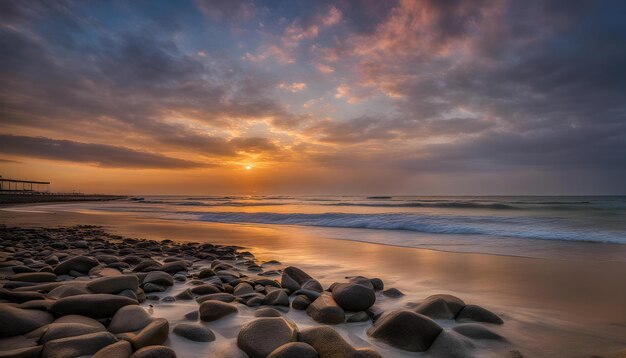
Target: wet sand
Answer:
pixel 550 307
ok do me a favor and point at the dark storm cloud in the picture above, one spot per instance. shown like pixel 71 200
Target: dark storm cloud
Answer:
pixel 98 154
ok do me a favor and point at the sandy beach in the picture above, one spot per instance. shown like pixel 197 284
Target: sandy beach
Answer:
pixel 550 307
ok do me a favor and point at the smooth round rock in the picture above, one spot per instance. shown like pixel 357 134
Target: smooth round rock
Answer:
pixel 114 284
pixel 455 304
pixel 159 278
pixel 405 330
pixel 119 349
pixel 205 289
pixel 63 330
pixel 154 352
pixel 450 344
pixel 277 298
pixel 354 296
pixel 328 343
pixel 478 314
pixel 262 336
pixel 301 302
pixel 294 350
pixel 155 333
pixel 213 310
pixel 325 310
pixel 477 331
pixel 393 293
pixel 34 277
pixel 267 312
pixel 80 264
pixel 95 306
pixel 77 346
pixel 129 319
pixel 15 321
pixel 194 332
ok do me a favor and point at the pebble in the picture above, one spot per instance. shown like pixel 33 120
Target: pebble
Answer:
pixel 213 310
pixel 194 332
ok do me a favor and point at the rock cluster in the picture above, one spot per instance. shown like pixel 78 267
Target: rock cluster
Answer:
pixel 79 291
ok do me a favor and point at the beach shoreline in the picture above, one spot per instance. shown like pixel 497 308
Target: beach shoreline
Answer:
pixel 550 306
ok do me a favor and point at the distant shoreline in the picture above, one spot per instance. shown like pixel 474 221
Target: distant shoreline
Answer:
pixel 49 198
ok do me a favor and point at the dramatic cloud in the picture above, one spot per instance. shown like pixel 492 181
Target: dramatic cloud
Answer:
pixel 97 154
pixel 396 91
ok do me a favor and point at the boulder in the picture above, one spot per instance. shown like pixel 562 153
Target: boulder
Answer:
pixel 205 289
pixel 405 330
pixel 34 277
pixel 25 352
pixel 223 296
pixel 477 331
pixel 174 267
pixel 213 310
pixel 206 273
pixel 294 350
pixel 277 298
pixel 129 319
pixel 119 349
pixel 262 336
pixel 325 310
pixel 329 344
pixel 360 316
pixel 194 332
pixel 77 346
pixel 354 296
pixel 95 306
pixel 20 297
pixel 80 264
pixel 114 284
pixel 450 344
pixel 15 321
pixel 80 320
pixel 159 278
pixel 377 284
pixel 243 288
pixel 63 330
pixel 154 352
pixel 155 333
pixel 301 302
pixel 433 304
pixel 479 314
pixel 267 312
pixel 68 289
pixel 393 293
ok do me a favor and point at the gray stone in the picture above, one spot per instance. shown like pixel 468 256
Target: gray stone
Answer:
pixel 294 350
pixel 152 287
pixel 67 290
pixel 450 344
pixel 20 297
pixel 393 293
pixel 26 352
pixel 77 346
pixel 301 302
pixel 360 316
pixel 129 319
pixel 119 349
pixel 325 310
pixel 477 331
pixel 95 306
pixel 377 284
pixel 114 284
pixel 243 288
pixel 205 289
pixel 213 310
pixel 63 330
pixel 194 332
pixel 455 304
pixel 266 312
pixel 185 295
pixel 277 298
pixel 80 264
pixel 479 314
pixel 15 321
pixel 155 333
pixel 406 330
pixel 329 344
pixel 354 296
pixel 223 296
pixel 262 336
pixel 154 352
pixel 159 278
pixel 34 277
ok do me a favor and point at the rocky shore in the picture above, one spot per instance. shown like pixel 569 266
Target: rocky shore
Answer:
pixel 80 291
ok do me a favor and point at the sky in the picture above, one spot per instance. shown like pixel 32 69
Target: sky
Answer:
pixel 408 97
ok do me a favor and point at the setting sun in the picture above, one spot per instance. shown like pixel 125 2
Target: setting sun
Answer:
pixel 248 167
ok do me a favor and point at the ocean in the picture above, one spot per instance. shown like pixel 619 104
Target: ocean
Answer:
pixel 590 219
